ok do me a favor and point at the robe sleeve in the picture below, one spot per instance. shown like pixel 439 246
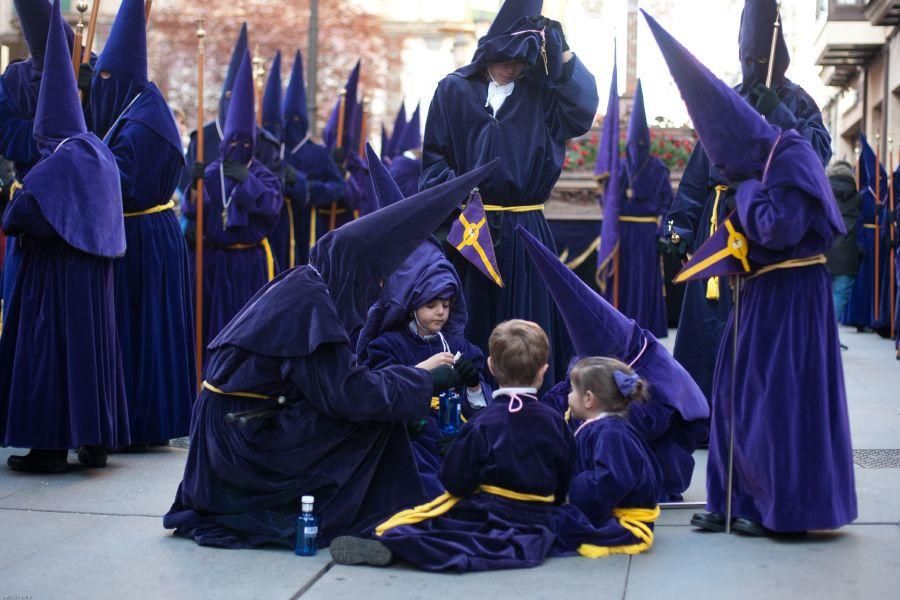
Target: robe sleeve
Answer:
pixel 23 216
pixel 573 102
pixel 16 133
pixel 808 124
pixel 438 164
pixel 326 185
pixel 687 206
pixel 382 354
pixel 652 419
pixel 337 386
pixel 599 489
pixel 463 465
pixel 298 191
pixel 473 353
pixel 260 194
pixel 776 218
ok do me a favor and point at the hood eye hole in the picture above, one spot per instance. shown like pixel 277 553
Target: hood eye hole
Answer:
pixel 104 74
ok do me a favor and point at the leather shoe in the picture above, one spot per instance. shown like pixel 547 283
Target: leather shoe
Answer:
pixel 40 461
pixel 92 456
pixel 709 521
pixel 748 527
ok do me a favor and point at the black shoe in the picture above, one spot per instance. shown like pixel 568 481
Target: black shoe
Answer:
pixel 749 527
pixel 135 449
pixel 709 521
pixel 349 550
pixel 93 456
pixel 843 347
pixel 40 461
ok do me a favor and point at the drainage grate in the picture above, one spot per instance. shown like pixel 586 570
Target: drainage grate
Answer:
pixel 880 458
pixel 182 442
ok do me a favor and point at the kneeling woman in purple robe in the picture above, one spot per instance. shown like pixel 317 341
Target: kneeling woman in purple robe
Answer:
pixel 61 380
pixel 287 411
pixel 242 201
pixel 779 386
pixel 616 480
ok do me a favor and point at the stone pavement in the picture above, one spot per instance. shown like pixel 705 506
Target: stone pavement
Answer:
pixel 98 534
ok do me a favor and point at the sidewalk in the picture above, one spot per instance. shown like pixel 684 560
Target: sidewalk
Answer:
pixel 98 534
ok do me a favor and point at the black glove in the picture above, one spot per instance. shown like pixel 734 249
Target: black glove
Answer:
pixel 443 378
pixel 562 36
pixel 416 428
pixel 766 99
pixel 678 246
pixel 235 170
pixel 662 246
pixel 85 77
pixel 290 175
pixel 197 172
pixel 467 372
pixel 339 155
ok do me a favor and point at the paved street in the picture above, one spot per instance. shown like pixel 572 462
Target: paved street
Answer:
pixel 98 534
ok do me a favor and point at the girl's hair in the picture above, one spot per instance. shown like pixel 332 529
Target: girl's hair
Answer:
pixel 598 375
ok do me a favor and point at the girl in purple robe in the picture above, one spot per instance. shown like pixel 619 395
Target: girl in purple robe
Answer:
pixel 61 380
pixel 153 284
pixel 286 409
pixel 242 200
pixel 779 386
pixel 616 480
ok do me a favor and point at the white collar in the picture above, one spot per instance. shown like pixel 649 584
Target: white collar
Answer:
pixel 510 391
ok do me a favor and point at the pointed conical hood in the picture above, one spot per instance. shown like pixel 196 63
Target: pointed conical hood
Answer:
pixel 296 118
pixel 637 148
pixel 736 138
pixel 59 115
pixel 272 119
pixel 510 13
pixel 384 186
pixel 329 134
pixel 609 140
pixel 241 47
pixel 412 134
pixel 353 258
pixel 397 131
pixel 34 18
pixel 240 125
pixel 598 329
pixel 755 44
pixel 124 58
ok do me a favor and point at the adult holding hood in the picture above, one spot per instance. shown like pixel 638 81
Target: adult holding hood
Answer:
pixel 511 103
pixel 341 434
pixel 780 383
pixel 311 177
pixel 242 203
pixel 61 380
pixel 153 285
pixel 703 194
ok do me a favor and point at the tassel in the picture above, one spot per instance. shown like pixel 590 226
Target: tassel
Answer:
pixel 712 288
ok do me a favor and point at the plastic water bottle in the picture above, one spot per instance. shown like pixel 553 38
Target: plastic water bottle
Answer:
pixel 307 528
pixel 449 412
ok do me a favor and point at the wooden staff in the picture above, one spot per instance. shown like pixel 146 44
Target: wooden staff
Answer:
pixel 362 129
pixel 92 29
pixel 877 231
pixel 198 253
pixel 616 280
pixel 892 274
pixel 148 4
pixel 332 218
pixel 774 47
pixel 79 35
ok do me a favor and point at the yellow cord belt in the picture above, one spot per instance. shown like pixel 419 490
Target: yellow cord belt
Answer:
pixel 637 522
pixel 794 263
pixel 151 211
pixel 712 284
pixel 628 219
pixel 446 501
pixel 513 209
pixel 267 248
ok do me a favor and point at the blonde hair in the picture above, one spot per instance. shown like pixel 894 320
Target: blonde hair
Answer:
pixel 596 374
pixel 518 349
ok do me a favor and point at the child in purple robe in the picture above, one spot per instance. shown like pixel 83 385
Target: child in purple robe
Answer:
pixel 616 480
pixel 242 201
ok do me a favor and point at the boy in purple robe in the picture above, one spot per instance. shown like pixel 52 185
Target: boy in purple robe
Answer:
pixel 311 177
pixel 419 320
pixel 645 196
pixel 674 419
pixel 616 480
pixel 783 391
pixel 242 201
pixel 306 418
pixel 511 102
pixel 699 205
pixel 153 284
pixel 61 380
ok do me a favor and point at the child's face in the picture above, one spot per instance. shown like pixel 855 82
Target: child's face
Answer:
pixel 507 71
pixel 433 316
pixel 581 405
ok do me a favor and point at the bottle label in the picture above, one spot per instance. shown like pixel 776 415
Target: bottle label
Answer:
pixel 310 531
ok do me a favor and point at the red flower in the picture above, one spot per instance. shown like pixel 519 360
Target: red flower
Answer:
pixel 667 156
pixel 585 152
pixel 580 162
pixel 681 164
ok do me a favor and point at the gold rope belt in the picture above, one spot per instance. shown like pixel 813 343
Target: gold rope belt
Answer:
pixel 446 501
pixel 267 248
pixel 794 263
pixel 152 210
pixel 712 285
pixel 627 219
pixel 513 209
pixel 870 226
pixel 637 522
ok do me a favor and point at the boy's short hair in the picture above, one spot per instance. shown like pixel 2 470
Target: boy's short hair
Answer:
pixel 518 350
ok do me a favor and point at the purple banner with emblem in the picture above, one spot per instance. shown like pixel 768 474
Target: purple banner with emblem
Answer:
pixel 723 254
pixel 471 236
